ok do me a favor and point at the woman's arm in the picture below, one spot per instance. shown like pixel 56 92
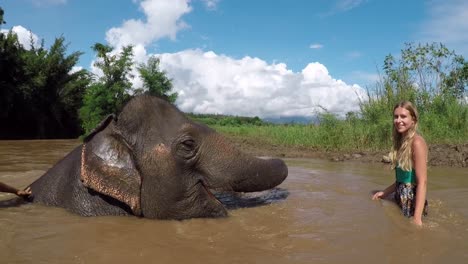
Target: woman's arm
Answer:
pixel 384 193
pixel 420 166
pixel 6 188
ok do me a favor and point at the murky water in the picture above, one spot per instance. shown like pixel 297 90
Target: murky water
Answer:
pixel 328 217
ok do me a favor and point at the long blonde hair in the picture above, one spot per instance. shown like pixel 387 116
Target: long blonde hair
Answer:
pixel 402 151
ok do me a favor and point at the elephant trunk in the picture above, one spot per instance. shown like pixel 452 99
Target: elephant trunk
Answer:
pixel 257 174
pixel 230 169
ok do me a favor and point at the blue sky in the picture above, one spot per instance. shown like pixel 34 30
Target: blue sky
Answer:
pixel 251 57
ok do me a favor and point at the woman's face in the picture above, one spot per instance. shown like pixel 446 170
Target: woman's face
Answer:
pixel 402 120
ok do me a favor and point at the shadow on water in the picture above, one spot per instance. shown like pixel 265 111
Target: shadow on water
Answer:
pixel 14 202
pixel 231 200
pixel 234 200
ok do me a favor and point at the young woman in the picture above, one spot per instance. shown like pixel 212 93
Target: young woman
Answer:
pixel 409 159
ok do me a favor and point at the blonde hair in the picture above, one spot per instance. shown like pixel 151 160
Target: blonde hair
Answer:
pixel 402 152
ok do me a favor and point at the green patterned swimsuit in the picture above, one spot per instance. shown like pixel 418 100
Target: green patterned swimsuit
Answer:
pixel 405 193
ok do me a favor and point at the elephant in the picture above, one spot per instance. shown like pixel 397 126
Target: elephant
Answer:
pixel 152 161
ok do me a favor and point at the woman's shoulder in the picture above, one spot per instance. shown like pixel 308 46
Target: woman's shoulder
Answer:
pixel 419 144
pixel 419 141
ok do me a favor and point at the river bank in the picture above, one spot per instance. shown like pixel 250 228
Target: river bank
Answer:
pixel 449 155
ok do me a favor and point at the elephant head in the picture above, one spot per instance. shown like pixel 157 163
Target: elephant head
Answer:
pixel 163 165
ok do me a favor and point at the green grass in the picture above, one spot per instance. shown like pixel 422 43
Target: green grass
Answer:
pixel 342 137
pixel 447 125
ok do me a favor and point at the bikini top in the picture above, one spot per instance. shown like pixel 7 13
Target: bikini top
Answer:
pixel 405 176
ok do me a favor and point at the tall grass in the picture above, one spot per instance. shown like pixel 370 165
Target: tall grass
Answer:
pixel 334 135
pixel 442 123
pixel 443 120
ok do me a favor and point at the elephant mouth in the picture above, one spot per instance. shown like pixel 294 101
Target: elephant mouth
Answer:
pixel 230 199
pixel 207 190
pixel 234 200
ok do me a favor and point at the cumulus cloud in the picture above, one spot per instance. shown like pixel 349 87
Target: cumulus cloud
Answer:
pixel 447 23
pixel 211 4
pixel 342 6
pixel 346 5
pixel 212 83
pixel 163 19
pixel 75 69
pixel 49 2
pixel 24 36
pixel 354 55
pixel 316 46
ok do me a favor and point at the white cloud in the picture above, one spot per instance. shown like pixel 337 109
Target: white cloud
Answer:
pixel 49 2
pixel 212 83
pixel 447 23
pixel 75 69
pixel 354 55
pixel 163 19
pixel 346 5
pixel 316 46
pixel 342 6
pixel 24 36
pixel 211 4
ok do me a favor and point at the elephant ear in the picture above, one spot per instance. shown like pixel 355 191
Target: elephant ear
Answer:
pixel 104 123
pixel 107 166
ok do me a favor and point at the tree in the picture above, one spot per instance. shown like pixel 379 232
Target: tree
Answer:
pixel 54 89
pixel 430 70
pixel 1 17
pixel 39 91
pixel 456 82
pixel 155 81
pixel 108 93
pixel 434 79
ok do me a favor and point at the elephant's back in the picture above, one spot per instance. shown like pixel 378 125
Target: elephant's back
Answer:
pixel 58 182
pixel 61 186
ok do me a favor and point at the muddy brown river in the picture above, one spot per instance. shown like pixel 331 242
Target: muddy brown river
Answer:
pixel 322 213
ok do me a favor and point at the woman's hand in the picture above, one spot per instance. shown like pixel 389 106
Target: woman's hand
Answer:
pixel 417 221
pixel 378 195
pixel 24 193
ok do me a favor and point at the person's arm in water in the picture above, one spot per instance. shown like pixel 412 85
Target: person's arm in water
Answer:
pixel 420 166
pixel 384 193
pixel 8 189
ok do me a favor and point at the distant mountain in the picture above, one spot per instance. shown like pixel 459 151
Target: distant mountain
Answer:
pixel 291 120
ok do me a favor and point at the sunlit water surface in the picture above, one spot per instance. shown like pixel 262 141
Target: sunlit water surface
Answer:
pixel 327 216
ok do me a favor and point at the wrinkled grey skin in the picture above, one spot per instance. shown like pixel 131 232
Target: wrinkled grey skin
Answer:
pixel 153 162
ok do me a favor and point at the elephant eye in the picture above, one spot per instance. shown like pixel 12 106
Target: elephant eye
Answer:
pixel 186 148
pixel 188 144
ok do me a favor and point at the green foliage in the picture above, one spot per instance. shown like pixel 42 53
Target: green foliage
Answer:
pixel 39 92
pixel 110 92
pixel 1 16
pixel 445 120
pixel 435 80
pixel 423 73
pixel 225 120
pixel 97 103
pixel 155 81
pixel 11 69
